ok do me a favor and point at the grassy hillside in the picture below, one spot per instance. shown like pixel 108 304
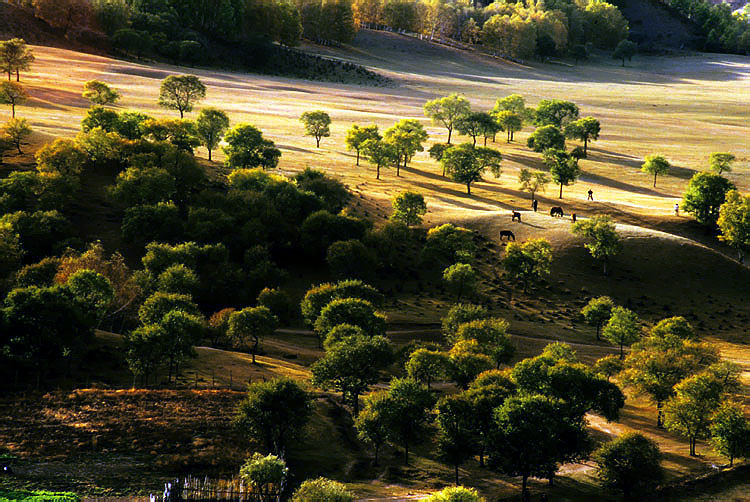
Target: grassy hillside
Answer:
pixel 683 107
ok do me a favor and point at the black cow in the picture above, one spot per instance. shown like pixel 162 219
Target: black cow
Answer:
pixel 556 211
pixel 507 233
pixel 516 215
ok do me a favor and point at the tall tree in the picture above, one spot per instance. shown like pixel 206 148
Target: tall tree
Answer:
pixel 528 261
pixel 210 127
pixel 371 423
pixel 181 92
pixel 562 167
pixel 406 136
pixel 630 463
pixel 251 323
pixel 426 366
pixel 623 328
pixel 734 222
pixel 274 413
pixel 555 112
pixel 545 138
pixel 99 93
pixel 475 124
pixel 16 131
pixel 510 122
pixel 447 110
pixel 730 432
pixel 381 153
pixel 356 137
pixel 247 148
pixel 408 208
pixel 721 162
pixel 11 93
pixel 602 239
pixel 317 124
pixel 704 196
pixel 15 56
pixel 585 129
pixel 532 182
pixel 352 365
pixel 597 312
pixel 406 410
pixel 656 165
pixel 456 430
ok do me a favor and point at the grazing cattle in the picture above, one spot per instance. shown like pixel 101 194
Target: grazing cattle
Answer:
pixel 556 211
pixel 516 215
pixel 507 233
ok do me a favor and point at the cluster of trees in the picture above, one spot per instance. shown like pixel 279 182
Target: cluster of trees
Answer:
pixel 518 30
pixel 721 29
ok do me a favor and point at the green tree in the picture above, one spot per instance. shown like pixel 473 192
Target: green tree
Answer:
pixel 266 474
pixel 477 124
pixel 730 432
pixel 529 436
pixel 356 137
pixel 277 302
pixel 459 314
pixel 322 490
pixel 319 296
pixel 608 366
pixel 623 328
pixel 247 148
pixel 528 262
pixel 546 137
pixel 352 311
pixel 371 423
pixel 15 56
pixel 704 196
pixel 689 412
pixel 99 93
pixel 352 365
pixel 630 463
pixel 408 208
pixel 406 136
pixel 178 279
pixel 317 124
pixel 563 169
pixel 734 221
pixel 11 93
pixel 491 335
pixel 467 361
pixel 139 186
pixel 274 413
pixel 447 110
pixel 251 323
pixel 16 131
pixel 555 112
pixel 625 50
pixel 210 127
pixel 426 366
pixel 181 332
pixel 721 162
pixel 655 164
pixel 600 234
pixel 379 152
pixel 532 182
pixel 159 304
pixel 585 129
pixel 143 351
pixel 63 156
pixel 461 279
pixel 510 122
pixel 181 92
pixel 604 25
pixel 93 291
pixel 462 164
pixel 456 431
pixel 406 410
pixel 597 312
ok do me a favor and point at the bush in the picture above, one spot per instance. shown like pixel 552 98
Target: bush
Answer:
pixel 448 244
pixel 277 302
pixel 455 494
pixel 147 223
pixel 178 279
pixel 352 311
pixel 37 496
pixel 334 194
pixel 321 229
pixel 350 259
pixel 319 296
pixel 40 274
pixel 322 490
pixel 460 314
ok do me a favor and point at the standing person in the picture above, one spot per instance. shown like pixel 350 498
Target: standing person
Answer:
pixel 534 204
pixel 676 209
pixel 591 194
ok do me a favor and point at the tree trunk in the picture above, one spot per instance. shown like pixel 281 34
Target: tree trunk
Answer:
pixel 450 131
pixel 468 188
pixel 378 175
pixel 524 479
pixel 13 110
pixel 475 140
pixel 209 155
pixel 561 190
pixel 585 146
pixel 182 115
pixel 18 75
pixel 456 473
pixel 485 141
pixel 317 142
pixel 357 156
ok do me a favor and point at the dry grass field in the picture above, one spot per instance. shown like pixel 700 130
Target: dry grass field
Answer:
pixel 684 107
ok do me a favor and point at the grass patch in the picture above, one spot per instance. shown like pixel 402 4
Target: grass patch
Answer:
pixel 37 496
